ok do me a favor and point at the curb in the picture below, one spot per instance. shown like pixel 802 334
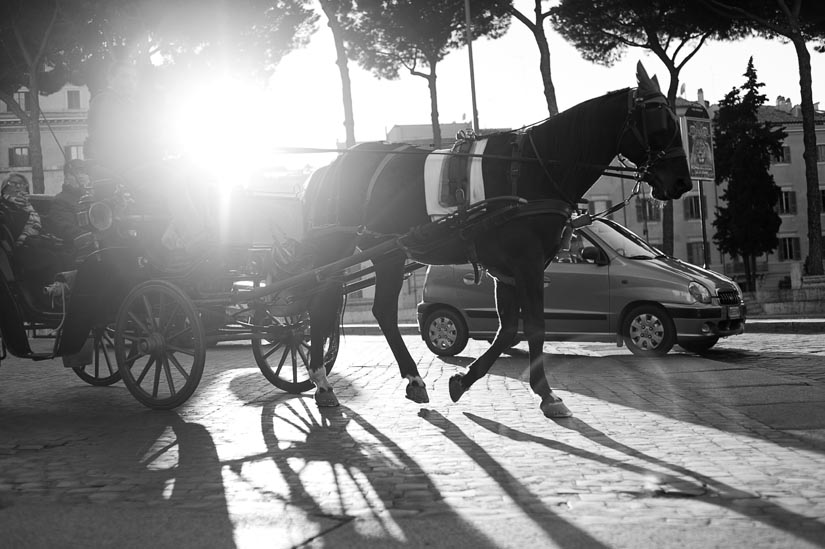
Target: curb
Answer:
pixel 752 326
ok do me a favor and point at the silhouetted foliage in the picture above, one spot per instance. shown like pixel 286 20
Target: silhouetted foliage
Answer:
pixel 390 36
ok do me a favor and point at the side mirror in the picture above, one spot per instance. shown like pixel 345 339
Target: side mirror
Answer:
pixel 592 254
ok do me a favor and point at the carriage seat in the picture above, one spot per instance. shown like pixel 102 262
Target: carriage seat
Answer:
pixel 453 180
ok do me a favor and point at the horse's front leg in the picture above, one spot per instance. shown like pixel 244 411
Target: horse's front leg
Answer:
pixel 389 277
pixel 323 314
pixel 507 310
pixel 531 297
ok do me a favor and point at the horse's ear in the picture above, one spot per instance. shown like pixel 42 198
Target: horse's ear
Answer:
pixel 644 80
pixel 656 82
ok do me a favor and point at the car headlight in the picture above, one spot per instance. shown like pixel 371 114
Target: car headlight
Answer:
pixel 699 292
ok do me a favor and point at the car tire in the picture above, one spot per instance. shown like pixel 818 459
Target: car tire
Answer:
pixel 648 331
pixel 445 332
pixel 699 347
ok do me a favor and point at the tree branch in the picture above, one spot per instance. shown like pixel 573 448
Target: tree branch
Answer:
pixel 523 18
pixel 689 56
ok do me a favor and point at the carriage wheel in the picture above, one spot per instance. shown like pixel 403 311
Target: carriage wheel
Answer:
pixel 281 347
pixel 159 344
pixel 103 369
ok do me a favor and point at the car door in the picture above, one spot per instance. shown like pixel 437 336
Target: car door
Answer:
pixel 576 293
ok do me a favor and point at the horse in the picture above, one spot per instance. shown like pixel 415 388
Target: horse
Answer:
pixel 375 191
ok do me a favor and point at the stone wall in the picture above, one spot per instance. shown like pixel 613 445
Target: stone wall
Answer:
pixel 806 300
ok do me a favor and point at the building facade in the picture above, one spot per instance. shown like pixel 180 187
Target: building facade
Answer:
pixel 62 132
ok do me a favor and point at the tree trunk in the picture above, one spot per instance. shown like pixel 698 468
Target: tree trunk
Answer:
pixel 749 276
pixel 35 145
pixel 814 261
pixel 431 78
pixel 667 212
pixel 343 69
pixel 544 68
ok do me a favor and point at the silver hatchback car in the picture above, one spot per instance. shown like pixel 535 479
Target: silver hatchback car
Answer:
pixel 609 286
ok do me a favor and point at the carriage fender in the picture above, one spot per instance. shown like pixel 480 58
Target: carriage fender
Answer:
pixel 101 284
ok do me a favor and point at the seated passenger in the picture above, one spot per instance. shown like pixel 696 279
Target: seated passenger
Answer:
pixel 22 219
pixel 62 219
pixel 38 256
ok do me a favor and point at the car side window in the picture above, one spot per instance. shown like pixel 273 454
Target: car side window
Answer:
pixel 573 254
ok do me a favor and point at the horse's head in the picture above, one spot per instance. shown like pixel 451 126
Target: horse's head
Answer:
pixel 653 141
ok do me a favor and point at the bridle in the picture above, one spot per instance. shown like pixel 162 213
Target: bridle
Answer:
pixel 653 113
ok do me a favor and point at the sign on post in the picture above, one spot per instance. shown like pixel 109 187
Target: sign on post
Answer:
pixel 698 137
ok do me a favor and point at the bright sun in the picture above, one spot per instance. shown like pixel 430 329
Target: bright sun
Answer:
pixel 224 125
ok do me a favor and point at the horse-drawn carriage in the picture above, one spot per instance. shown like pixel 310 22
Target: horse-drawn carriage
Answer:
pixel 157 319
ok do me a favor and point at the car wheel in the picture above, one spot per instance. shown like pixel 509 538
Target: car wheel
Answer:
pixel 445 332
pixel 701 346
pixel 648 331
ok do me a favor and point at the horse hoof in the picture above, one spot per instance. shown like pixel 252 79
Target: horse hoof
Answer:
pixel 417 393
pixel 456 388
pixel 553 407
pixel 326 398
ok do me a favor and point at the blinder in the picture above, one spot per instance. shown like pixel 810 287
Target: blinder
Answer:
pixel 652 120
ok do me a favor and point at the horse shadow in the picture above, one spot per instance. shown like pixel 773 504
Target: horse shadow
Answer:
pixel 554 526
pixel 682 482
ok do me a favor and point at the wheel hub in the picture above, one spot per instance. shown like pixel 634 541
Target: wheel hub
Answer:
pixel 154 343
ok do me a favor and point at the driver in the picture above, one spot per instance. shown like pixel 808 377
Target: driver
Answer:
pixel 121 144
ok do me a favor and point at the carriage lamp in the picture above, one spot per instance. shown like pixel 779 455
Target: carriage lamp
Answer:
pixel 699 292
pixel 100 216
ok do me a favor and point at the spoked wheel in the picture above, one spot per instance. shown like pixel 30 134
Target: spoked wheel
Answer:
pixel 281 348
pixel 159 344
pixel 103 369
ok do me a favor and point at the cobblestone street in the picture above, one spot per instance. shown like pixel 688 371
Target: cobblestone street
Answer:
pixel 683 451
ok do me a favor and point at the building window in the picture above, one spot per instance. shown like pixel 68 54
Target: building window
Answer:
pixel 787 203
pixel 784 157
pixel 73 99
pixel 74 152
pixel 820 152
pixel 18 157
pixel 648 207
pixel 822 199
pixel 789 249
pixel 695 253
pixel 692 209
pixel 22 99
pixel 599 205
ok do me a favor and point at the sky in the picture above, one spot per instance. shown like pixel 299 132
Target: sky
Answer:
pixel 302 106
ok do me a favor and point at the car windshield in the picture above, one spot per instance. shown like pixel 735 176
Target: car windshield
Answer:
pixel 626 243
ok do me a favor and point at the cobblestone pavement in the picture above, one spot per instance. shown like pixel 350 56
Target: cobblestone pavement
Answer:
pixel 683 451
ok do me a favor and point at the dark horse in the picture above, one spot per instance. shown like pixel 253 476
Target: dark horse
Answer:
pixel 375 192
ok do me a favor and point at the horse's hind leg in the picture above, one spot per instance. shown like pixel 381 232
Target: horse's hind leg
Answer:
pixel 531 298
pixel 323 314
pixel 507 309
pixel 389 277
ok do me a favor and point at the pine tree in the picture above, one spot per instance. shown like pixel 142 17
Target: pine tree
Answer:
pixel 743 147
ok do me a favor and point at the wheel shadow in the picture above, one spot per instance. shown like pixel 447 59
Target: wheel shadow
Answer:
pixel 682 482
pixel 337 477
